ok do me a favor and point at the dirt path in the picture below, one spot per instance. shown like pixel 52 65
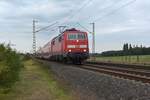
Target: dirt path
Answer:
pixel 37 83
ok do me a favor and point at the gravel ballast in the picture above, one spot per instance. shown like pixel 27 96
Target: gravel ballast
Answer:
pixel 96 86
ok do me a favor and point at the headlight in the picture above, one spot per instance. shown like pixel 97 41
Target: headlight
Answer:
pixel 84 50
pixel 69 50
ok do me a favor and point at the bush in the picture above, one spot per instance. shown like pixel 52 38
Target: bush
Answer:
pixel 10 65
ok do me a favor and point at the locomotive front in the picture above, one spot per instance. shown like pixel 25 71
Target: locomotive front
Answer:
pixel 76 45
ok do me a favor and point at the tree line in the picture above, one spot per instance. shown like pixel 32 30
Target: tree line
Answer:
pixel 128 49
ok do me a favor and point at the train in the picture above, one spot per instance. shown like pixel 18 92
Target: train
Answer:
pixel 69 46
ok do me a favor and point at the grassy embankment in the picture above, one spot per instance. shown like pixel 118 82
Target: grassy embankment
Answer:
pixel 142 59
pixel 37 83
pixel 24 79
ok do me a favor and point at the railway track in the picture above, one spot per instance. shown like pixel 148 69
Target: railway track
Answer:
pixel 122 72
pixel 126 73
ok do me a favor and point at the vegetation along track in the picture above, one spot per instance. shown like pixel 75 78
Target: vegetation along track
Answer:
pixel 127 73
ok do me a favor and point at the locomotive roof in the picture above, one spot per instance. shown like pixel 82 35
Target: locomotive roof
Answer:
pixel 67 30
pixel 72 29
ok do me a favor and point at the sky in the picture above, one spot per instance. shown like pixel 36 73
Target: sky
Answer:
pixel 116 21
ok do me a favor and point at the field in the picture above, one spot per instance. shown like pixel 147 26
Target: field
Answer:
pixel 142 59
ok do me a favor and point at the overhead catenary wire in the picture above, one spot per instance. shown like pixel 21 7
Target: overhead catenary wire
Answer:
pixel 115 10
pixel 83 27
pixel 52 28
pixel 109 6
pixel 55 29
pixel 103 9
pixel 44 28
pixel 86 4
pixel 77 23
pixel 108 13
pixel 74 13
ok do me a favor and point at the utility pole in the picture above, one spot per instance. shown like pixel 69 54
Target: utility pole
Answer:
pixel 34 34
pixel 34 38
pixel 93 40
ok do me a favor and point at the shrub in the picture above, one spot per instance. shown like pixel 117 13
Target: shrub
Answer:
pixel 10 65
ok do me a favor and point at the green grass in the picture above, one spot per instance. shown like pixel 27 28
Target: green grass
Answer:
pixel 143 59
pixel 36 83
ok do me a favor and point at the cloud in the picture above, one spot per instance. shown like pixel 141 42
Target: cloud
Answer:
pixel 131 21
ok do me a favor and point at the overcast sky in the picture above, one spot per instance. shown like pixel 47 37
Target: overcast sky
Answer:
pixel 117 21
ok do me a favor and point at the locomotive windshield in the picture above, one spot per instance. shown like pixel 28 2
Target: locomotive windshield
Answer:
pixel 80 36
pixel 72 36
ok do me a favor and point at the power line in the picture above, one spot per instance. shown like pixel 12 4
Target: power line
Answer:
pixel 103 9
pixel 55 29
pixel 83 27
pixel 44 28
pixel 115 10
pixel 52 28
pixel 73 14
pixel 99 10
pixel 87 3
pixel 84 5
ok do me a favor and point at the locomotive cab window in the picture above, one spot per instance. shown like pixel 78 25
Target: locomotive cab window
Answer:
pixel 80 36
pixel 72 36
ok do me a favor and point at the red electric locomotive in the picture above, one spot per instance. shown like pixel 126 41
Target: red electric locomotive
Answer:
pixel 71 45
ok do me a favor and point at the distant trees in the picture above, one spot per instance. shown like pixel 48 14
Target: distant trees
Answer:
pixel 128 49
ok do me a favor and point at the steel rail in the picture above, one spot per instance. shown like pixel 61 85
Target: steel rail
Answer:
pixel 117 73
pixel 122 69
